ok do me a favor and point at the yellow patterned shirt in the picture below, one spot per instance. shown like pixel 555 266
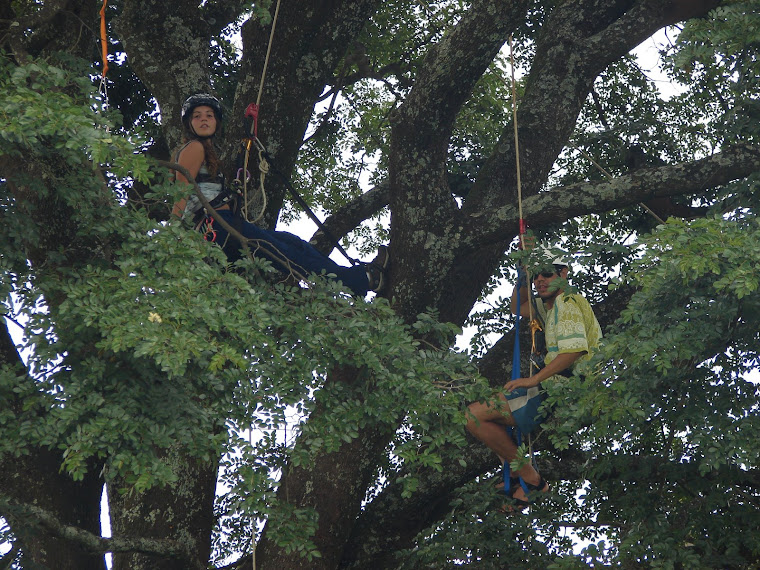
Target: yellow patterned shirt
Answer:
pixel 570 326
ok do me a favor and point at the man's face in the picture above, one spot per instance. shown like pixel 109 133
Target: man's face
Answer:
pixel 546 284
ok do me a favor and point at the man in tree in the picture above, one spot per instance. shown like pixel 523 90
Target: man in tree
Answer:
pixel 433 108
pixel 572 333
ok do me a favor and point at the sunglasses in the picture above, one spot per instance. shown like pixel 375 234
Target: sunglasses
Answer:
pixel 545 275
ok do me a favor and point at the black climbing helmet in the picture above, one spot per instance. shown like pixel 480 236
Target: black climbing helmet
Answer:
pixel 201 99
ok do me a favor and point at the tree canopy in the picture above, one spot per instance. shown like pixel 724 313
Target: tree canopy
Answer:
pixel 237 419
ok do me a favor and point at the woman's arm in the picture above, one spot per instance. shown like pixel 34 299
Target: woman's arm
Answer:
pixel 191 157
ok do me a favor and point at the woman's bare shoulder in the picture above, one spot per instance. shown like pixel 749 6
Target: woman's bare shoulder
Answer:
pixel 192 147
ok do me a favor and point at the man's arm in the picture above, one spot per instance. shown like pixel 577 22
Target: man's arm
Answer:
pixel 560 363
pixel 522 286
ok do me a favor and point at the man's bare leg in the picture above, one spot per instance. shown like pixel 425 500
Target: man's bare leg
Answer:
pixel 488 422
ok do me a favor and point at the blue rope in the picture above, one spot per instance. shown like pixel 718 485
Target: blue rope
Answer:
pixel 507 470
pixel 516 349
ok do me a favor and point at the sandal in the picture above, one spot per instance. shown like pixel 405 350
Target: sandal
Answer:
pixel 515 505
pixel 520 504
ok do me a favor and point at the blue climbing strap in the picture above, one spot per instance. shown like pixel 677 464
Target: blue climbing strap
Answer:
pixel 515 431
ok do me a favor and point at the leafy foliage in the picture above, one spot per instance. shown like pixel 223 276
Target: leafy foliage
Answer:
pixel 674 398
pixel 141 338
pixel 168 346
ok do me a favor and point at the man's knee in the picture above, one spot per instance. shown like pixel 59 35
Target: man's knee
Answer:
pixel 480 412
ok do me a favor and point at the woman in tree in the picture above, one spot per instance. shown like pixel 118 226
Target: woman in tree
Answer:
pixel 201 119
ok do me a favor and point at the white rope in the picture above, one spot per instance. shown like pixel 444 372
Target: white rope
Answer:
pixel 263 165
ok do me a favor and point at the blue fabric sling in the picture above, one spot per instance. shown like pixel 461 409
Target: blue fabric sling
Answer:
pixel 523 403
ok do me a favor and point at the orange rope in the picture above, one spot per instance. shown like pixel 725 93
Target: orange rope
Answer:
pixel 104 39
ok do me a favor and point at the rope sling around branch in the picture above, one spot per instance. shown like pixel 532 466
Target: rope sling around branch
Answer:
pixel 610 177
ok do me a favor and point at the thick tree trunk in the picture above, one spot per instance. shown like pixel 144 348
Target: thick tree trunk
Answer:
pixel 182 512
pixel 34 478
pixel 333 485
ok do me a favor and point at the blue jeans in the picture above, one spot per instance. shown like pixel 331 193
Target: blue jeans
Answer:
pixel 301 255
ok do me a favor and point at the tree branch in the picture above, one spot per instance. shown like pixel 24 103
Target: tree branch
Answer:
pixel 566 202
pixel 166 62
pixel 347 217
pixel 33 515
pixel 421 200
pixel 577 42
pixel 220 13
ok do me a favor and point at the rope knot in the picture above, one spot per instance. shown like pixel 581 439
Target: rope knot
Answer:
pixel 263 165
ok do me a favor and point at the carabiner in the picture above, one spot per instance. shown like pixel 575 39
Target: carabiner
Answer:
pixel 247 175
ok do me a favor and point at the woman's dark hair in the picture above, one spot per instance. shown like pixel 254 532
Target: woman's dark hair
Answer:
pixel 198 100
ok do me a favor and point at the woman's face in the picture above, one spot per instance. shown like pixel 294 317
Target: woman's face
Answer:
pixel 203 121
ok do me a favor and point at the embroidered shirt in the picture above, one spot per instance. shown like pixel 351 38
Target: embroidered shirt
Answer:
pixel 570 326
